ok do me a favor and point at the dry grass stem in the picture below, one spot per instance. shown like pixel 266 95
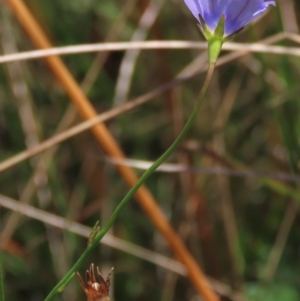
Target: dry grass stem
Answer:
pixel 151 45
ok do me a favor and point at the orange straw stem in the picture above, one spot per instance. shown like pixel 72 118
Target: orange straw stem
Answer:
pixel 108 143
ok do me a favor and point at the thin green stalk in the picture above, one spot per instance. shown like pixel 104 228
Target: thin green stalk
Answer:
pixel 66 279
pixel 1 280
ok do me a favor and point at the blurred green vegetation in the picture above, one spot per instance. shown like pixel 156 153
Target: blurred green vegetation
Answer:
pixel 249 121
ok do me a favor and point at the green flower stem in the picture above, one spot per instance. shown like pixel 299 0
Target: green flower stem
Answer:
pixel 67 278
pixel 1 280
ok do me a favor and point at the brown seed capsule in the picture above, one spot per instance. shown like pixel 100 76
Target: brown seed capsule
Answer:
pixel 95 291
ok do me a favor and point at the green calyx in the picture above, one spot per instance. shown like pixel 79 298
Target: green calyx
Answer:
pixel 215 39
pixel 214 49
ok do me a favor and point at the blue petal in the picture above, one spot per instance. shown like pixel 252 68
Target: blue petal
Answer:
pixel 238 13
pixel 212 11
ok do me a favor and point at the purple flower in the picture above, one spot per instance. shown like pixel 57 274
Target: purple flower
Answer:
pixel 237 13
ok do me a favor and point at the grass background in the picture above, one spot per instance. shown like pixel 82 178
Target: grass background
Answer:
pixel 242 227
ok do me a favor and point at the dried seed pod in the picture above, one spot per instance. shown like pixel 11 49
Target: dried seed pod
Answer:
pixel 95 291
